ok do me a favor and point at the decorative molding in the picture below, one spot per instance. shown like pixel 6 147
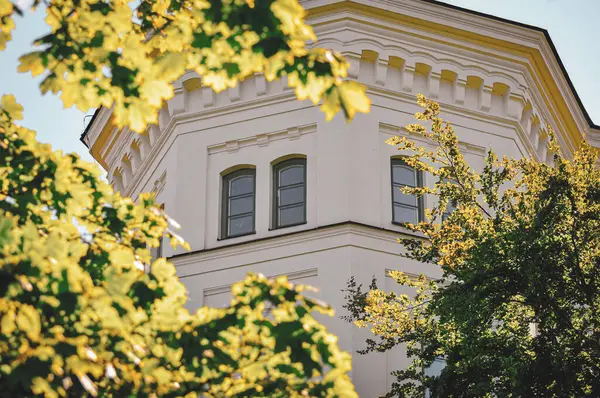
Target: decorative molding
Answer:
pixel 293 133
pixel 413 44
pixel 411 276
pixel 471 149
pixel 159 183
pixel 292 276
pixel 392 130
pixel 263 139
pixel 385 42
pixel 187 263
pixel 232 146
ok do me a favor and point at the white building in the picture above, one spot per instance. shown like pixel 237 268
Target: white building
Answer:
pixel 219 162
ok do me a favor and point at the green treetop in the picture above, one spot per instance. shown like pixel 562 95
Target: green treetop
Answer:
pixel 517 311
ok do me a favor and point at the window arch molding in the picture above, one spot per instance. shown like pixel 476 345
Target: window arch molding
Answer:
pixel 237 167
pixel 238 201
pixel 289 191
pixel 405 208
pixel 285 158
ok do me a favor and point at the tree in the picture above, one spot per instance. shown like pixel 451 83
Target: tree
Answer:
pixel 79 316
pixel 517 311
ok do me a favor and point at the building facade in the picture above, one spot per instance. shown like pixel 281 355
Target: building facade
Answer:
pixel 261 182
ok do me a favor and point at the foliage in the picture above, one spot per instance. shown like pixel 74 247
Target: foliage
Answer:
pixel 79 316
pixel 112 53
pixel 517 311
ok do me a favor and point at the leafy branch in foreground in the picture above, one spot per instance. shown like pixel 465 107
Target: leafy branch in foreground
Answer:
pixel 80 317
pixel 112 53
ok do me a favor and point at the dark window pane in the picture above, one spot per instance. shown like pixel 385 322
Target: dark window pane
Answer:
pixel 406 214
pixel 291 215
pixel 240 225
pixel 450 207
pixel 400 197
pixel 404 175
pixel 288 196
pixel 241 205
pixel 241 185
pixel 435 369
pixel 291 175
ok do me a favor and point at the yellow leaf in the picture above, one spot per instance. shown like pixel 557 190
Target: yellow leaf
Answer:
pixel 353 98
pixel 291 15
pixel 9 105
pixel 6 7
pixel 156 91
pixel 170 66
pixel 138 115
pixel 162 269
pixel 121 257
pixel 331 103
pixel 42 387
pixel 31 62
pixel 7 324
pixel 350 96
pixel 162 375
pixel 28 320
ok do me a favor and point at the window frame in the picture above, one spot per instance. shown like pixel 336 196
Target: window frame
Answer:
pixel 419 181
pixel 225 201
pixel 156 252
pixel 277 168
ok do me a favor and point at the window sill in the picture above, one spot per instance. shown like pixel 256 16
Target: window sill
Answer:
pixel 236 236
pixel 400 224
pixel 403 230
pixel 288 226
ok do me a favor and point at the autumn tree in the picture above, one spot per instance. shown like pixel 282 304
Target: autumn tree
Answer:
pixel 79 316
pixel 517 311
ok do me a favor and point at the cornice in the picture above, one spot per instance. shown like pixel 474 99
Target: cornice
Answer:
pixel 181 119
pixel 462 26
pixel 291 276
pixel 172 129
pixel 458 27
pixel 344 229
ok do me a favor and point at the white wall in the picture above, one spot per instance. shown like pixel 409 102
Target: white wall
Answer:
pixel 349 230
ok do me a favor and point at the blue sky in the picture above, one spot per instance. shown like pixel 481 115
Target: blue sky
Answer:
pixel 574 30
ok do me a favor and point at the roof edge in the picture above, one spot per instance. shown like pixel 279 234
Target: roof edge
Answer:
pixel 546 34
pixel 88 126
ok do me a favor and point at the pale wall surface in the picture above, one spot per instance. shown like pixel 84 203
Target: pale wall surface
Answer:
pixel 492 99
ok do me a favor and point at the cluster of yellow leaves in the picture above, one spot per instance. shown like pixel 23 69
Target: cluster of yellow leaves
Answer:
pixel 99 55
pixel 6 22
pixel 389 315
pixel 519 251
pixel 80 316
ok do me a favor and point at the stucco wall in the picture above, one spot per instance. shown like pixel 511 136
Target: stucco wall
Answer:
pixel 492 97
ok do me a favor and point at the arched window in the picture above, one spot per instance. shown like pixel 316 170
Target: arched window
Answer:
pixel 406 208
pixel 289 193
pixel 237 211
